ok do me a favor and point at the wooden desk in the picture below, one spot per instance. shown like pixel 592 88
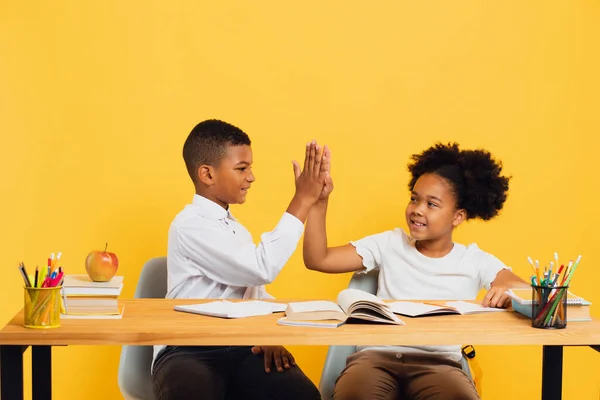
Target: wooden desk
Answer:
pixel 153 321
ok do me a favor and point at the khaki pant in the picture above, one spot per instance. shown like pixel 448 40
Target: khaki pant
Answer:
pixel 378 375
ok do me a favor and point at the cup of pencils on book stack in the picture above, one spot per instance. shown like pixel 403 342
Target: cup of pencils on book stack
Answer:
pixel 43 295
pixel 549 289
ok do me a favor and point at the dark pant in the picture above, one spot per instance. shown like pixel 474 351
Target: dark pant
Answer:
pixel 385 375
pixel 225 372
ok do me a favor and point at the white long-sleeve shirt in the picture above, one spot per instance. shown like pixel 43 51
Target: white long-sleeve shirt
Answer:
pixel 210 255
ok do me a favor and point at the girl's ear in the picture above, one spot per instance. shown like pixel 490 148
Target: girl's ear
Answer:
pixel 459 217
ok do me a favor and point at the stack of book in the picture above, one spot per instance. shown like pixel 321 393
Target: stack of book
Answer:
pixel 578 309
pixel 84 298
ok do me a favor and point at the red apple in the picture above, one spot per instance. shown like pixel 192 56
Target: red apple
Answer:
pixel 101 266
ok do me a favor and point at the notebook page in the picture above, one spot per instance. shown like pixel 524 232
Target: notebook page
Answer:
pixel 412 308
pixel 464 307
pixel 226 309
pixel 276 307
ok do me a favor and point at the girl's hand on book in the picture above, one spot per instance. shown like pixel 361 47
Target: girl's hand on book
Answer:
pixel 496 297
pixel 282 357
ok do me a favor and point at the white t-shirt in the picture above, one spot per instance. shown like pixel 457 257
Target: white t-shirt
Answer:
pixel 406 274
pixel 211 255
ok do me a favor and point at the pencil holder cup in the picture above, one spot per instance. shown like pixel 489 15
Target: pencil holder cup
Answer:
pixel 42 307
pixel 549 307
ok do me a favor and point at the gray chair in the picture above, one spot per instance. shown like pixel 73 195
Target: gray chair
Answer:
pixel 335 361
pixel 135 380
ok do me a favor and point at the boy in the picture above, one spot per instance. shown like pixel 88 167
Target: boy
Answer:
pixel 448 186
pixel 211 255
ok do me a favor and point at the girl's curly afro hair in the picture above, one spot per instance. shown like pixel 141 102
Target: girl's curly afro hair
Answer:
pixel 474 176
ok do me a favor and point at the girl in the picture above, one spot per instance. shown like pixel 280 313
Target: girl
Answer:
pixel 447 187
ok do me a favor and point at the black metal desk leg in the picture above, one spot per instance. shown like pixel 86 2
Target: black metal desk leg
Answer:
pixel 11 372
pixel 41 372
pixel 552 367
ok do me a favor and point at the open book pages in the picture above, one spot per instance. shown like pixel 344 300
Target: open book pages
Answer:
pixel 418 309
pixel 363 305
pixel 414 309
pixel 228 309
pixel 351 304
pixel 316 309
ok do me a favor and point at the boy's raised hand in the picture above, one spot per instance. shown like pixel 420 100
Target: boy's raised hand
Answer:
pixel 310 181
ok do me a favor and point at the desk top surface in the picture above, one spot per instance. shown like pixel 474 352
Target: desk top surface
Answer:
pixel 154 321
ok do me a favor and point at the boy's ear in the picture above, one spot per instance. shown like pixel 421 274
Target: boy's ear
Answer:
pixel 459 217
pixel 206 174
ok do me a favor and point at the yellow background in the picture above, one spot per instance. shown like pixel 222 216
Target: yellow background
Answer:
pixel 96 99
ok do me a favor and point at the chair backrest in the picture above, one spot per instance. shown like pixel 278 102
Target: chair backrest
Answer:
pixel 153 280
pixel 367 282
pixel 135 380
pixel 335 361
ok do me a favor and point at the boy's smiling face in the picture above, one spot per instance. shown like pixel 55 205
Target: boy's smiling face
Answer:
pixel 232 178
pixel 431 213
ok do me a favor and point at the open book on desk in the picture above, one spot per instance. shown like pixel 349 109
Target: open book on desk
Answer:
pixel 418 309
pixel 229 309
pixel 352 304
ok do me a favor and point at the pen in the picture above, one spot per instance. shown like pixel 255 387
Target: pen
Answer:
pixel 573 270
pixel 47 281
pixel 56 281
pixel 558 275
pixel 431 303
pixel 24 273
pixel 566 272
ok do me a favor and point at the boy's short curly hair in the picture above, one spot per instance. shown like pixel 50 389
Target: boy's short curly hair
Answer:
pixel 474 176
pixel 207 144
